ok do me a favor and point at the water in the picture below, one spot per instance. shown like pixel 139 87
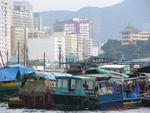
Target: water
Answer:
pixel 4 109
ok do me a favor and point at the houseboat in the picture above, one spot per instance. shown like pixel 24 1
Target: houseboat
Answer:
pixel 75 93
pixel 36 90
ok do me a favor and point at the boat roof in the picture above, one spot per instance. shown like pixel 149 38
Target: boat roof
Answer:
pixel 76 77
pixel 100 70
pixel 14 72
pixel 113 66
pixel 119 75
pixel 45 75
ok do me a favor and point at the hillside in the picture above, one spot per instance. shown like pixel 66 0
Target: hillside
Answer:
pixel 109 21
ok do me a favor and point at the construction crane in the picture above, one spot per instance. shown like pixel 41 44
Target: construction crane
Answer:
pixel 2 61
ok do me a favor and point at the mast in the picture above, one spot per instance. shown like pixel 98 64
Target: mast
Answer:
pixel 24 54
pixel 1 59
pixel 18 53
pixel 27 57
pixel 7 57
pixel 59 56
pixel 44 62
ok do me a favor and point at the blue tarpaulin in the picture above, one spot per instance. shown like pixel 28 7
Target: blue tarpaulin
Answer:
pixel 45 75
pixel 13 72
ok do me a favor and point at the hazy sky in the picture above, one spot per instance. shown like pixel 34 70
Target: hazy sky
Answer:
pixel 42 5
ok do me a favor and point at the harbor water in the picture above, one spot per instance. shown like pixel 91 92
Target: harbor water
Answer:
pixel 4 109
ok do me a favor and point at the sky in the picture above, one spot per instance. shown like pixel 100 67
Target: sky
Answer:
pixel 72 5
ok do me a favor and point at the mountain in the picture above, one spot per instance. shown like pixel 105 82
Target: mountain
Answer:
pixel 107 22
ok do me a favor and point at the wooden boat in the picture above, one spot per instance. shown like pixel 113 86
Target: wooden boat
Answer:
pixel 37 89
pixel 9 85
pixel 111 90
pixel 134 90
pixel 8 90
pixel 74 93
pixel 144 73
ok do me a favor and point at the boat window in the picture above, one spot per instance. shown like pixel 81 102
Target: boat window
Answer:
pixel 90 84
pixel 78 83
pixel 64 83
pixel 85 85
pixel 102 89
pixel 73 84
pixel 59 83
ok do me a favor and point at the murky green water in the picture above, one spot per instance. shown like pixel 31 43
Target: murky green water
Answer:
pixel 4 109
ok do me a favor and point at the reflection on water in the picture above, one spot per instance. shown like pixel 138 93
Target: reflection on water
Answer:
pixel 4 109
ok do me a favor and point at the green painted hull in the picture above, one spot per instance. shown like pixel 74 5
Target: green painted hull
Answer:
pixel 7 91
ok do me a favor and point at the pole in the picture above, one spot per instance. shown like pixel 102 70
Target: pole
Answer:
pixel 2 59
pixel 24 54
pixel 27 57
pixel 59 56
pixel 44 61
pixel 18 54
pixel 7 57
pixel 78 47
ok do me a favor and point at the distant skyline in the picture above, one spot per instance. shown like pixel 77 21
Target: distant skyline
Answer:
pixel 72 5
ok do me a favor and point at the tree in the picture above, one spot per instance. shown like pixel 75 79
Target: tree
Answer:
pixel 114 50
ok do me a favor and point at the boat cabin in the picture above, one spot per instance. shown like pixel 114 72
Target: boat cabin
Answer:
pixel 74 92
pixel 109 94
pixel 117 68
pixel 75 85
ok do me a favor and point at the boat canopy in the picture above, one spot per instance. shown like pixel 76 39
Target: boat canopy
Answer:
pixel 45 75
pixel 113 66
pixel 13 72
pixel 98 70
pixel 76 77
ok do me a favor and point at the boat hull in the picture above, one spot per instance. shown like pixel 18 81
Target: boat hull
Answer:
pixel 44 101
pixel 8 90
pixel 118 102
pixel 146 101
pixel 74 102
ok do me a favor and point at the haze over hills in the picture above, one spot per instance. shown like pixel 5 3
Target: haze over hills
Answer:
pixel 108 21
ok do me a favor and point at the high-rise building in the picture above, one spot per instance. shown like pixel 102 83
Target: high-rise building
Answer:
pixel 76 26
pixel 87 47
pixel 74 47
pixel 22 14
pixel 95 51
pixel 36 34
pixel 58 26
pixel 81 28
pixel 54 48
pixel 37 21
pixel 5 21
pixel 19 37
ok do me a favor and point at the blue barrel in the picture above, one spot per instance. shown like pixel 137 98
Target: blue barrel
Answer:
pixel 132 95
